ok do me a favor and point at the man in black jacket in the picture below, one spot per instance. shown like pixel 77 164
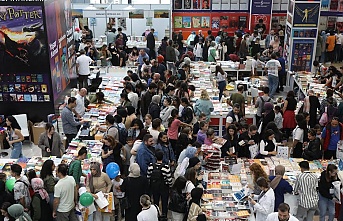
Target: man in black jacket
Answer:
pixel 247 139
pixel 170 52
pixel 150 39
pixel 146 99
pixel 120 32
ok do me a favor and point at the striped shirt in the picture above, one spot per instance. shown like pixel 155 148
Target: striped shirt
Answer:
pixel 165 173
pixel 306 185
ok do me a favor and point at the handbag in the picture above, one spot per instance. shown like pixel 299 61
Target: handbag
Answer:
pixel 160 217
pixel 324 118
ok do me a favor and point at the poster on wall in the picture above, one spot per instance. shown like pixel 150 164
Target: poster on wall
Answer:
pixel 302 55
pixel 323 20
pixel 138 13
pixel 306 14
pixel 186 22
pixel 187 4
pixel 122 23
pixel 224 22
pixel 255 19
pixel 205 4
pixel 261 7
pixel 196 22
pixel 24 71
pixel 161 13
pixel 334 5
pixel 339 24
pixel 177 4
pixel 60 40
pixel 331 24
pixel 215 22
pixel 325 5
pixel 304 33
pixel 242 22
pixel 196 4
pixel 177 22
pixel 233 22
pixel 205 22
pixel 148 21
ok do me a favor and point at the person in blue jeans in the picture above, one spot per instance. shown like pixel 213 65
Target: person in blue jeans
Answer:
pixel 273 66
pixel 14 137
pixel 327 199
pixel 221 76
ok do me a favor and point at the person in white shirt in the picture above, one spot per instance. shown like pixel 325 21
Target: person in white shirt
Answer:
pixel 65 195
pixel 80 108
pixel 149 212
pixel 266 200
pixel 198 49
pixel 273 66
pixel 338 46
pixel 155 129
pixel 82 64
pixel 282 214
pixel 133 97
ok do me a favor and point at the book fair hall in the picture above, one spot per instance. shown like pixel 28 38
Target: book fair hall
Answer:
pixel 171 110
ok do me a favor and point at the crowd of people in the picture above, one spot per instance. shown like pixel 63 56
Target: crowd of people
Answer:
pixel 157 133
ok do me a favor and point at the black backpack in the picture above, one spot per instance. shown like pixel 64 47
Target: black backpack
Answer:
pixel 156 178
pixel 263 101
pixel 122 133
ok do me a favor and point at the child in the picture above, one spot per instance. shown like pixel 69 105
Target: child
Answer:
pixel 127 148
pixel 318 130
pixel 201 136
pixel 147 121
pixel 278 117
pixel 119 211
pixel 210 137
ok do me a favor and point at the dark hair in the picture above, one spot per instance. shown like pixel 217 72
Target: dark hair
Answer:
pixel 124 95
pixel 182 90
pixel 4 207
pixel 160 135
pixel 63 169
pixel 120 29
pixel 266 90
pixel 17 169
pixel 316 63
pixel 252 127
pixel 277 53
pixel 329 92
pixel 118 119
pixel 304 165
pixel 190 175
pixel 317 127
pixel 110 119
pixel 49 126
pixel 159 155
pixel 283 207
pixel 262 182
pixel 278 108
pixel 290 94
pixel 130 110
pixel 330 168
pixel 236 105
pixel 14 123
pixel 137 122
pixel 142 133
pixel 191 87
pixel 156 123
pixel 152 85
pixel 202 124
pixel 173 114
pixel 179 184
pixel 312 132
pixel 100 96
pixel 31 174
pixel 168 99
pixel 271 125
pixel 82 151
pixel 232 127
pixel 185 100
pixel 147 137
pixel 240 87
pixel 196 195
pixel 71 100
pixel 46 169
pixel 209 132
pixel 260 20
pixel 268 133
pixel 273 56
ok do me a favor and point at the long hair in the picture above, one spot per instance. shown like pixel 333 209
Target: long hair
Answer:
pixel 112 141
pixel 258 171
pixel 46 169
pixel 172 117
pixel 191 175
pixel 14 123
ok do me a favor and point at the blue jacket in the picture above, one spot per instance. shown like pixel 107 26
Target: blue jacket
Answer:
pixel 280 190
pixel 145 156
pixel 168 153
pixel 203 106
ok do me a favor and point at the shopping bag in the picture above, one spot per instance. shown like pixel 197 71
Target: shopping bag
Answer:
pixel 283 152
pixel 324 118
pixel 254 151
pixel 108 209
pixel 339 150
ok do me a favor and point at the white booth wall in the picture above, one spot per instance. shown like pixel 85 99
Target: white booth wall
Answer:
pixel 138 25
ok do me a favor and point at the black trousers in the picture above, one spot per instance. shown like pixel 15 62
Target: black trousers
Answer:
pixel 70 137
pixel 83 81
pixel 163 194
pixel 328 154
pixel 282 79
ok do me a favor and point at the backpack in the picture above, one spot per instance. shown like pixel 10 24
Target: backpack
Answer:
pixel 263 101
pixel 122 132
pixel 19 181
pixel 156 178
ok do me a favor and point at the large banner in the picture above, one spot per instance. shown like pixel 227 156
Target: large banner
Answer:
pixel 306 14
pixel 24 71
pixel 302 55
pixel 261 7
pixel 60 41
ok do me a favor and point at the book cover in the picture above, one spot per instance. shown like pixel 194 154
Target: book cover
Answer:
pixel 206 4
pixel 196 22
pixel 34 97
pixel 196 4
pixel 215 22
pixel 31 88
pixel 27 97
pixel 242 21
pixel 205 22
pixel 178 22
pixel 17 78
pixel 186 22
pixel 23 78
pixel 44 88
pixel 46 98
pixel 13 97
pixel 5 88
pixel 11 88
pixel 6 97
pixel 23 88
pixel 33 77
pixel 28 78
pixel 40 98
pixel 12 77
pixel 39 78
pixel 38 88
pixel 241 195
pixel 187 4
pixel 20 97
pixel 17 87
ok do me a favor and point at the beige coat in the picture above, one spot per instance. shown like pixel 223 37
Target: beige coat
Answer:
pixel 57 148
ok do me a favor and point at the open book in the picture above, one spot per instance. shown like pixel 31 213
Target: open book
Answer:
pixel 241 195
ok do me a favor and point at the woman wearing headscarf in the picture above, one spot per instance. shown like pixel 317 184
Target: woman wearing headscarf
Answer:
pixel 98 182
pixel 280 186
pixel 154 108
pixel 189 152
pixel 268 114
pixel 134 187
pixel 41 209
pixel 4 197
pixel 195 212
pixel 17 212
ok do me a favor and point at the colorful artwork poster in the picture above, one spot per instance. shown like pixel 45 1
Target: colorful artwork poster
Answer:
pixel 306 15
pixel 186 22
pixel 290 6
pixel 205 22
pixel 196 21
pixel 135 14
pixel 161 13
pixel 122 23
pixel 24 64
pixel 205 4
pixel 261 7
pixel 178 22
pixel 325 5
pixel 196 4
pixel 215 22
pixel 266 20
pixel 304 33
pixel 339 24
pixel 224 22
pixel 60 41
pixel 242 21
pixel 334 5
pixel 177 4
pixel 302 55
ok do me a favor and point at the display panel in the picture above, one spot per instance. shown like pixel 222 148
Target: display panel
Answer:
pixel 24 71
pixel 302 55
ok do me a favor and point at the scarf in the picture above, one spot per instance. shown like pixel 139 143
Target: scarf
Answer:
pixel 96 166
pixel 279 172
pixel 134 170
pixel 38 186
pixel 17 212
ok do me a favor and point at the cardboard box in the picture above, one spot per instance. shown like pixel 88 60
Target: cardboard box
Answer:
pixel 37 129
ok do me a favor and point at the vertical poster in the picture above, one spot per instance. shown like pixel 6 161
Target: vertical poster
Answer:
pixel 187 4
pixel 234 22
pixel 122 23
pixel 334 5
pixel 196 20
pixel 325 5
pixel 331 24
pixel 306 14
pixel 186 22
pixel 177 22
pixel 302 55
pixel 196 4
pixel 177 4
pixel 339 24
pixel 242 21
pixel 205 22
pixel 224 22
pixel 215 22
pixel 60 41
pixel 24 71
pixel 205 4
